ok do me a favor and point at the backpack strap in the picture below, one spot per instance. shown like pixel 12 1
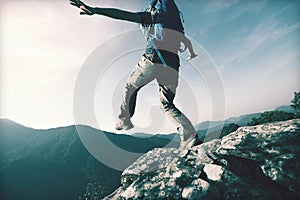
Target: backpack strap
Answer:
pixel 153 12
pixel 163 61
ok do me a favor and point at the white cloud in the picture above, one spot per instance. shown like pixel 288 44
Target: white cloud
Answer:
pixel 218 13
pixel 265 33
pixel 217 6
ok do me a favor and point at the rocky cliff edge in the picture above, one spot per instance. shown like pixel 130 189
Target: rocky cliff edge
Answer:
pixel 254 162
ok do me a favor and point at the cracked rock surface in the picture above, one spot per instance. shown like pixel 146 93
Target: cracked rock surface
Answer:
pixel 254 162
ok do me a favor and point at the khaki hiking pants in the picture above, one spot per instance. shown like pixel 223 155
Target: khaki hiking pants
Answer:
pixel 145 72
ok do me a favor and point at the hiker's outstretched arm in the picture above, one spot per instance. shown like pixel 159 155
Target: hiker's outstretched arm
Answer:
pixel 108 12
pixel 118 14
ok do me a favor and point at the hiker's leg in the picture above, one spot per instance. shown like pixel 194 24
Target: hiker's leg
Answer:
pixel 167 90
pixel 132 102
pixel 143 73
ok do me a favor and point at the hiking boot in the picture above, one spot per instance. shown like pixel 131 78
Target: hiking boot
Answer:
pixel 190 142
pixel 122 125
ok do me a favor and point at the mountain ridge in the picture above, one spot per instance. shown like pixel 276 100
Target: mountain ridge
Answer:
pixel 57 157
pixel 54 163
pixel 241 120
pixel 199 126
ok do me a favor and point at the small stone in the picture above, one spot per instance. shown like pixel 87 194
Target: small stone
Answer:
pixel 177 174
pixel 213 172
pixel 187 192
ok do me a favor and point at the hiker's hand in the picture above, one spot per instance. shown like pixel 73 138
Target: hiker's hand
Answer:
pixel 192 55
pixel 85 10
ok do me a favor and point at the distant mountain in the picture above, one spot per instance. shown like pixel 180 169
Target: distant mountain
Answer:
pixel 175 137
pixel 285 109
pixel 172 136
pixel 54 164
pixel 216 125
pixel 142 135
pixel 9 141
pixel 242 120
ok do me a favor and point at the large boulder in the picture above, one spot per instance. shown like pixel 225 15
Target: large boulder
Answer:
pixel 254 162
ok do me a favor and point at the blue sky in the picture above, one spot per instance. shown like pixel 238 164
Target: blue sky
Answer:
pixel 255 46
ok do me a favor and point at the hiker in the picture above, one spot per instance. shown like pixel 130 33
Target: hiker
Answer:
pixel 160 61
